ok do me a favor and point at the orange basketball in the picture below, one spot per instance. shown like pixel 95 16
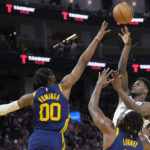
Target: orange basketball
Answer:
pixel 123 13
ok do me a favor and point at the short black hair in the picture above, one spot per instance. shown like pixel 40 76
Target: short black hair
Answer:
pixel 146 82
pixel 41 77
pixel 131 124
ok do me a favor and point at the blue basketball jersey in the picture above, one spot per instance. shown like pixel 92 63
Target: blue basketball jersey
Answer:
pixel 51 109
pixel 123 143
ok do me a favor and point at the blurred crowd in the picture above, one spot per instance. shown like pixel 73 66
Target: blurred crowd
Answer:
pixel 15 130
pixel 83 136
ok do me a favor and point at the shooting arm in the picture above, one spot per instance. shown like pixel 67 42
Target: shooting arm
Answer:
pixel 144 109
pixel 122 66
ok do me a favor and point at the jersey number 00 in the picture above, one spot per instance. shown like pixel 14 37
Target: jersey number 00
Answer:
pixel 49 110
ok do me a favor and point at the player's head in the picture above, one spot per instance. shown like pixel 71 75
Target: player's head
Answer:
pixel 140 87
pixel 131 124
pixel 43 77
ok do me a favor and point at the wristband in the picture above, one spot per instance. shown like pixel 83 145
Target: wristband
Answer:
pixel 7 108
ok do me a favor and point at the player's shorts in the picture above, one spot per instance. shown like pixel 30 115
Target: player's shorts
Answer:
pixel 46 140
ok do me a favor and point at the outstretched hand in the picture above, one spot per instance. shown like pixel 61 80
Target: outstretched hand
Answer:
pixel 125 36
pixel 116 83
pixel 103 79
pixel 103 30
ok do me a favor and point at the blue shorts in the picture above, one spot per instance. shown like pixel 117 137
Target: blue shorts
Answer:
pixel 46 140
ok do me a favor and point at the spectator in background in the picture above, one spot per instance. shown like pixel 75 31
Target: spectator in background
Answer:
pixel 16 129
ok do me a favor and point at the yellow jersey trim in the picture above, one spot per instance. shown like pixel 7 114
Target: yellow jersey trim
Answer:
pixel 60 87
pixel 63 142
pixel 140 137
pixel 117 131
pixel 66 124
pixel 34 94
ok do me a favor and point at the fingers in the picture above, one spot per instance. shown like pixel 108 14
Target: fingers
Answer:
pixel 107 72
pixel 120 35
pixel 122 31
pixel 126 29
pixel 110 81
pixel 104 24
pixel 115 74
pixel 129 33
pixel 104 71
pixel 107 31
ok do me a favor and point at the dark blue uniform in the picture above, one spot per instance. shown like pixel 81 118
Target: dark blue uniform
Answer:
pixel 123 143
pixel 51 117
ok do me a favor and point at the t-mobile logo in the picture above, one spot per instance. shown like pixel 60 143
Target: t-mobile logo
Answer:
pixel 65 15
pixel 23 57
pixel 9 8
pixel 135 67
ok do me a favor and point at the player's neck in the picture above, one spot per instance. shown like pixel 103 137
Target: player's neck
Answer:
pixel 51 83
pixel 140 98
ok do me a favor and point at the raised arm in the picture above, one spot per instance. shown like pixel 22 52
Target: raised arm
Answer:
pixel 122 66
pixel 144 109
pixel 100 120
pixel 23 101
pixel 69 80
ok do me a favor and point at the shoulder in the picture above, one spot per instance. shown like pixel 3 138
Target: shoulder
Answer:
pixel 109 139
pixel 146 143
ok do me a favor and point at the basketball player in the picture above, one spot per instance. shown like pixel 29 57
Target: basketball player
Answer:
pixel 50 101
pixel 125 137
pixel 140 89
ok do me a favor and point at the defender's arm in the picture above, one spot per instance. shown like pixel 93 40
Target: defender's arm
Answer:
pixel 25 100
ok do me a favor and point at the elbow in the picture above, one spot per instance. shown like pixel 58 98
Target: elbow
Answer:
pixel 97 121
pixel 89 107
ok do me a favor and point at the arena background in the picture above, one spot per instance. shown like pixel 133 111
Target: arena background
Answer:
pixel 40 33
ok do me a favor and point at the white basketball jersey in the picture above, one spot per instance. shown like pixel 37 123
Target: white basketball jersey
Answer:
pixel 121 109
